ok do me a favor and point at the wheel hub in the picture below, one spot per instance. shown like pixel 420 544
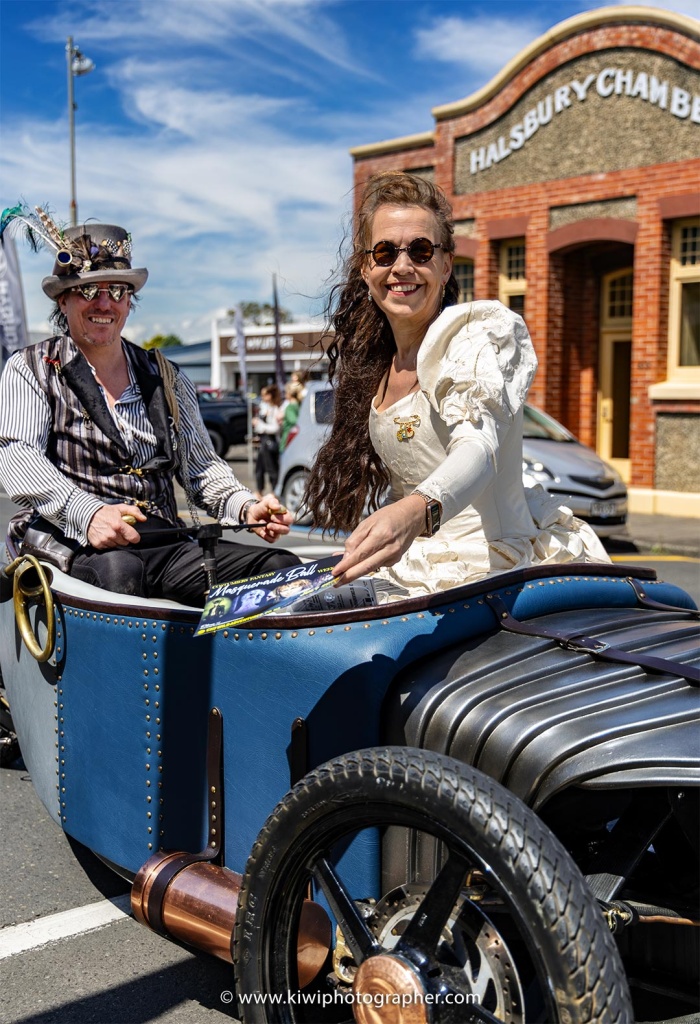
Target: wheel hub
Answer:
pixel 388 990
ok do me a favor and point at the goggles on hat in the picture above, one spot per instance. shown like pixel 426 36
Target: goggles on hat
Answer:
pixel 420 250
pixel 116 291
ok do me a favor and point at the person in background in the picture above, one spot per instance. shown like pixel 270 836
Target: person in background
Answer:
pixel 94 431
pixel 293 393
pixel 432 395
pixel 267 426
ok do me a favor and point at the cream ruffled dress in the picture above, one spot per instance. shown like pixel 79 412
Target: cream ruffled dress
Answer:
pixel 459 439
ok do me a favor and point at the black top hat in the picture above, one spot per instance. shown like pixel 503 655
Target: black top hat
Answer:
pixel 93 252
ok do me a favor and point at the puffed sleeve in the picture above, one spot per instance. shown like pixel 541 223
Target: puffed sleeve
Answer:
pixel 477 359
pixel 475 366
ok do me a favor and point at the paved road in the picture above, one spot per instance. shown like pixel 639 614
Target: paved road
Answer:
pixel 116 972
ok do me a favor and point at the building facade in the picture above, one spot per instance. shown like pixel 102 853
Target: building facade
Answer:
pixel 574 178
pixel 301 344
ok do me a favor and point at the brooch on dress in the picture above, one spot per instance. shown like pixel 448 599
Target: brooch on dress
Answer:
pixel 406 431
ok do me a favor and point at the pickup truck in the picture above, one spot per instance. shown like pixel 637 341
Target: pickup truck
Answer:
pixel 225 417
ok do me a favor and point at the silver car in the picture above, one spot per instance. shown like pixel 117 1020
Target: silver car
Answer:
pixel 552 457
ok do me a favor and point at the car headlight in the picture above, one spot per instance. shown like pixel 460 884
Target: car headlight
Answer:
pixel 536 470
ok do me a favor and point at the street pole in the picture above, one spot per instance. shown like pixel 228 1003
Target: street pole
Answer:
pixel 77 64
pixel 70 53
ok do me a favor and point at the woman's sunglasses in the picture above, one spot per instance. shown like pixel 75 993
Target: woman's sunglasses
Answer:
pixel 420 250
pixel 116 291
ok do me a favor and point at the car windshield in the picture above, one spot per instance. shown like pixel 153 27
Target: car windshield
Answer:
pixel 324 406
pixel 538 424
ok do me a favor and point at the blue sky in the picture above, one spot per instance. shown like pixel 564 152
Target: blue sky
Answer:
pixel 217 131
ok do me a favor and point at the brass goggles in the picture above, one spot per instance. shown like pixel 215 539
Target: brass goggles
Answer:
pixel 420 250
pixel 116 291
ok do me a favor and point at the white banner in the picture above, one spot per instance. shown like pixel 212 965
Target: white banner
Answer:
pixel 13 327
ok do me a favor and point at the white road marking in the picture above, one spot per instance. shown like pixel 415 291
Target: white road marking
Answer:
pixel 20 938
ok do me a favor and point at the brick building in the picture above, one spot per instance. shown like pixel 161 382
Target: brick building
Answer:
pixel 574 178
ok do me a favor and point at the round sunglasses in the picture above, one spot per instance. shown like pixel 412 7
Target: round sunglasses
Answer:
pixel 116 291
pixel 420 250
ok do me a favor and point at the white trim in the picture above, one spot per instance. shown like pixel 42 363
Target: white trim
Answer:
pixel 664 503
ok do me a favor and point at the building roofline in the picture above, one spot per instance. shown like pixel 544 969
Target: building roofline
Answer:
pixel 628 14
pixel 394 145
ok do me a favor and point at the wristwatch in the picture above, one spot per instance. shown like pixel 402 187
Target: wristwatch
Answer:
pixel 243 514
pixel 433 514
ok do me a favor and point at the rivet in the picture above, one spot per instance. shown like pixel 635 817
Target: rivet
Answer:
pixel 145 686
pixel 159 754
pixel 420 615
pixel 143 636
pixel 250 636
pixel 156 704
pixel 148 750
pixel 278 636
pixel 451 610
pixel 160 769
pixel 149 799
pixel 155 671
pixel 148 767
pixel 123 621
pixel 148 735
pixel 147 703
pixel 145 671
pixel 154 638
pixel 157 721
pixel 263 636
pixel 63 775
pixel 212 789
pixel 225 634
pixel 149 829
pixel 404 618
pixel 148 718
pixel 61 720
pixel 158 738
pixel 144 655
pixel 150 845
pixel 155 654
pixel 164 626
pixel 211 844
pixel 157 686
pixel 329 631
pixel 148 782
pixel 235 636
pixel 160 785
pixel 294 636
pixel 64 818
pixel 348 628
pixel 465 606
pixel 366 625
pixel 130 624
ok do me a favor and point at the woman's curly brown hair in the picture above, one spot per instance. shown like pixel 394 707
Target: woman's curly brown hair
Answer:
pixel 348 473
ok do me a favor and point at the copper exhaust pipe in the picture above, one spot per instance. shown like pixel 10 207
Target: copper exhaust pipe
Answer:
pixel 198 906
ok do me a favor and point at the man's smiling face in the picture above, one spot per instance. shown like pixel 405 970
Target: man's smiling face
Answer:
pixel 95 323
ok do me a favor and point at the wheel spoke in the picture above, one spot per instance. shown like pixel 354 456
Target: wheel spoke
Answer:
pixel 459 1012
pixel 424 931
pixel 360 940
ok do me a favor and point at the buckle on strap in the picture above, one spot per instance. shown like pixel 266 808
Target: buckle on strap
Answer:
pixel 583 644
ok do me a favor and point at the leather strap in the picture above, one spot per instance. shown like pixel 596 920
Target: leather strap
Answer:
pixel 649 602
pixel 580 643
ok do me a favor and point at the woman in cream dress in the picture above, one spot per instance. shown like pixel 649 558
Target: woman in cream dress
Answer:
pixel 429 399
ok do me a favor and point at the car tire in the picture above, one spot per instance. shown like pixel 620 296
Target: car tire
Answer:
pixel 217 442
pixel 293 494
pixel 508 919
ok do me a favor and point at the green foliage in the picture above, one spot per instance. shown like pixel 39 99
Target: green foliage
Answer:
pixel 163 341
pixel 261 313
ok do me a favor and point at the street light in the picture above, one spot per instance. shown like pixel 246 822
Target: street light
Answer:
pixel 78 64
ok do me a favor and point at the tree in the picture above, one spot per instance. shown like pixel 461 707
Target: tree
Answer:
pixel 163 341
pixel 261 313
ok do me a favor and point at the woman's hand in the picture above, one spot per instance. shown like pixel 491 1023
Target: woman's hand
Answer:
pixel 273 518
pixel 381 539
pixel 109 529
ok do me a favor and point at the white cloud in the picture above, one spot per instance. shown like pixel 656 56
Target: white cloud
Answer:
pixel 481 44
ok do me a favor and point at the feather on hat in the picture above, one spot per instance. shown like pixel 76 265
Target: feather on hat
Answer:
pixel 92 252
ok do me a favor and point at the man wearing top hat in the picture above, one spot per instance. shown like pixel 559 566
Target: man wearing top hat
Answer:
pixel 93 431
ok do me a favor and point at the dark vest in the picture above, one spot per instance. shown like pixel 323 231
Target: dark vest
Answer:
pixel 85 444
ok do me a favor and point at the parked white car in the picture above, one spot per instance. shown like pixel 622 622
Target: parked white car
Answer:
pixel 552 457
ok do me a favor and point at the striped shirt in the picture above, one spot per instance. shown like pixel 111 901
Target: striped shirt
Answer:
pixel 33 481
